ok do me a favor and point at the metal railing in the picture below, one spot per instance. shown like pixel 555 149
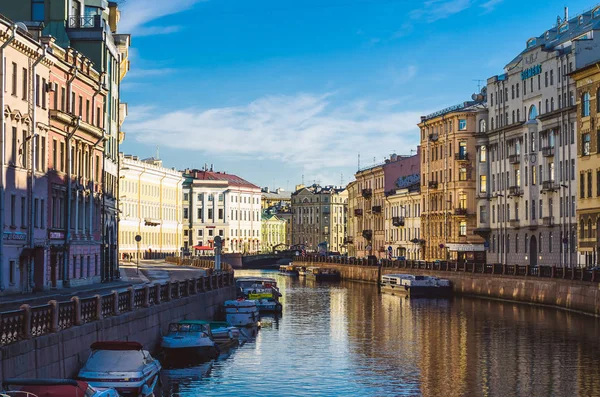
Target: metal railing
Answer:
pixel 85 22
pixel 492 269
pixel 34 321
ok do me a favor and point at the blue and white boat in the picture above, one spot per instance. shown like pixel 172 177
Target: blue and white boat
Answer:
pixel 416 286
pixel 241 313
pixel 189 340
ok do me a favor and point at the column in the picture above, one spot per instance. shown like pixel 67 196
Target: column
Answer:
pixel 91 224
pixel 76 211
pixel 83 213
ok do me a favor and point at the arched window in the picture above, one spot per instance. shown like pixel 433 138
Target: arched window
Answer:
pixel 517 244
pixel 582 228
pixel 585 104
pixel 551 104
pixel 589 228
pixel 518 115
pixel 482 125
pixel 533 112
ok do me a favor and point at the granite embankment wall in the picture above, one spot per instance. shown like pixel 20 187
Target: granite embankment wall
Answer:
pixel 575 295
pixel 61 354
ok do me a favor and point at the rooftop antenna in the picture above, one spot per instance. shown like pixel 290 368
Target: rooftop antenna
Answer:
pixel 478 84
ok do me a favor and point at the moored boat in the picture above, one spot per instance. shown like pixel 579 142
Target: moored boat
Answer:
pixel 302 271
pixel 323 274
pixel 124 366
pixel 223 334
pixel 241 313
pixel 189 340
pixel 53 388
pixel 288 270
pixel 416 286
pixel 263 290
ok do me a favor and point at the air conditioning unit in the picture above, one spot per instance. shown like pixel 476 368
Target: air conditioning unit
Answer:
pixel 51 87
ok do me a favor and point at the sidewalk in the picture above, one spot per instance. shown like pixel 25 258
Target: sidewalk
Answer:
pixel 150 271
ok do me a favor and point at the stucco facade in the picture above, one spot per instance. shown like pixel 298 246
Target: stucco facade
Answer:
pixel 151 207
pixel 273 233
pixel 319 217
pixel 403 222
pixel 448 182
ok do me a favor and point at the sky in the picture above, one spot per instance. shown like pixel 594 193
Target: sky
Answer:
pixel 291 91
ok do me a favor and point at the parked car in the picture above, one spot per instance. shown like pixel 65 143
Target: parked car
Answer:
pixel 53 388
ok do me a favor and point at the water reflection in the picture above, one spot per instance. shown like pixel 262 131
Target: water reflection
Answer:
pixel 347 338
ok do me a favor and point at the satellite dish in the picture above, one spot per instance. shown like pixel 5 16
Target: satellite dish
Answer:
pixel 474 97
pixel 22 26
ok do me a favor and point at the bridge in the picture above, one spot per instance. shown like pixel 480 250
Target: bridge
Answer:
pixel 266 261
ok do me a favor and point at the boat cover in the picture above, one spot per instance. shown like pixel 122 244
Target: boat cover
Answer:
pixel 47 387
pixel 116 361
pixel 116 345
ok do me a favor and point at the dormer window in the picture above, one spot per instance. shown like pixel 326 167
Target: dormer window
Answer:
pixel 564 27
pixel 596 13
pixel 581 19
pixel 531 42
pixel 547 35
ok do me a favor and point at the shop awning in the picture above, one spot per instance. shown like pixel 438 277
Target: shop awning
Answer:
pixel 203 248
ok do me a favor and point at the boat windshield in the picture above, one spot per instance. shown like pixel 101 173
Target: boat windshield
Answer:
pixel 116 361
pixel 185 327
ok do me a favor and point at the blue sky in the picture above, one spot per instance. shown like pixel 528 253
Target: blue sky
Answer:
pixel 274 90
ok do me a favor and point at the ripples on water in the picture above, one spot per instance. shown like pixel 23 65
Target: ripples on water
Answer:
pixel 348 339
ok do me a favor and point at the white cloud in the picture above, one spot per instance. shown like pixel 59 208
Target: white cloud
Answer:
pixel 305 130
pixel 136 14
pixel 434 10
pixel 142 73
pixel 490 5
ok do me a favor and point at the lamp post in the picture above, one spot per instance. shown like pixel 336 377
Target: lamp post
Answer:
pixel 138 239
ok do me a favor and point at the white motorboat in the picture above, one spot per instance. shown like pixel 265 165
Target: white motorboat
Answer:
pixel 124 366
pixel 261 289
pixel 189 340
pixel 241 313
pixel 53 388
pixel 416 286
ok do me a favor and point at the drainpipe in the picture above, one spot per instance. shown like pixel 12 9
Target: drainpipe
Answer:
pixel 33 145
pixel 3 160
pixel 76 123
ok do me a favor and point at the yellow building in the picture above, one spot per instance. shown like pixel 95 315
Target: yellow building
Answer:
pixel 150 206
pixel 403 222
pixel 587 79
pixel 448 183
pixel 319 217
pixel 368 219
pixel 273 230
pixel 354 219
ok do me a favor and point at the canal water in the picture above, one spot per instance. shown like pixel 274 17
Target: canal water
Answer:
pixel 339 339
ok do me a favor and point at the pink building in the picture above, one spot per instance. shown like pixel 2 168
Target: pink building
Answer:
pixel 400 171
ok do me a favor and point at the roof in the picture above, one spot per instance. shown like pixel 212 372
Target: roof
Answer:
pixel 562 32
pixel 233 180
pixel 281 195
pixel 318 189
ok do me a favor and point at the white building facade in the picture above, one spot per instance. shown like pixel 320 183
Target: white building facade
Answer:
pixel 220 204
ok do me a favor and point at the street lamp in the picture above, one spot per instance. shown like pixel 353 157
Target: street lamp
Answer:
pixel 138 238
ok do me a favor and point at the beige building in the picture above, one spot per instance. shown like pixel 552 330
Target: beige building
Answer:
pixel 448 183
pixel 354 219
pixel 587 81
pixel 368 212
pixel 278 198
pixel 403 223
pixel 319 217
pixel 150 206
pixel 273 231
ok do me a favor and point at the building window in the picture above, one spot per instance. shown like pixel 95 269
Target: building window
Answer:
pixel 585 104
pixel 482 214
pixel 586 145
pixel 220 213
pixel 210 213
pixel 220 196
pixel 14 79
pixel 462 124
pixel 185 196
pixel 589 183
pixel 462 229
pixel 185 213
pixel 533 176
pixel 462 174
pixel 462 200
pixel 483 184
pixel 482 154
pixel 210 197
pixel 199 213
pixel 533 112
pixel 482 126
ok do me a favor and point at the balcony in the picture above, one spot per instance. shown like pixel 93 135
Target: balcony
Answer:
pixel 548 151
pixel 461 156
pixel 358 212
pixel 152 222
pixel 515 191
pixel 549 186
pixel 515 223
pixel 548 221
pixel 514 158
pixel 433 137
pixel 460 211
pixel 433 184
pixel 368 234
pixel 376 209
pixel 398 221
pixel 85 22
pixel 367 193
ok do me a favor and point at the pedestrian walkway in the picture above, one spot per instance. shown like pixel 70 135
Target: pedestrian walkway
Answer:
pixel 150 271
